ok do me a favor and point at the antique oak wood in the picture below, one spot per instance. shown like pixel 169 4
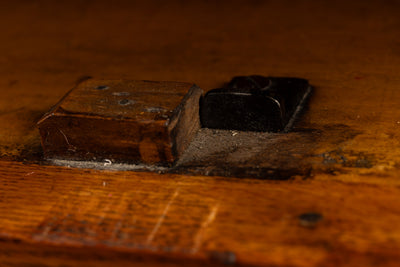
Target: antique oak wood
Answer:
pixel 63 216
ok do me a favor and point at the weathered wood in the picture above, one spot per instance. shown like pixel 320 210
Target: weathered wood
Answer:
pixel 347 49
pixel 208 219
pixel 122 121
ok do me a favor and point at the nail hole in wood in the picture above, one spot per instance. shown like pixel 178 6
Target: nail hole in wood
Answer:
pixel 124 102
pixel 102 87
pixel 310 219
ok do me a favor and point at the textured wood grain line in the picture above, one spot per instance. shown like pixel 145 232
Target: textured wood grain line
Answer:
pixel 161 219
pixel 206 223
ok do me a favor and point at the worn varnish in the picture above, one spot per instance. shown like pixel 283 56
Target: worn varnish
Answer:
pixel 52 216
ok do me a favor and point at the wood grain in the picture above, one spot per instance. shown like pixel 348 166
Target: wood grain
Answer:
pixel 195 216
pixel 347 50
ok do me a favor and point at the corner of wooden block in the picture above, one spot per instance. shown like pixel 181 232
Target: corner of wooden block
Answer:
pixel 187 123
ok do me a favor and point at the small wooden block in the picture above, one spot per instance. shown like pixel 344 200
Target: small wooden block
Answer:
pixel 122 121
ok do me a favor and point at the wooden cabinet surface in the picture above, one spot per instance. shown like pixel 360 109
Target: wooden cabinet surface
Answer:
pixel 64 216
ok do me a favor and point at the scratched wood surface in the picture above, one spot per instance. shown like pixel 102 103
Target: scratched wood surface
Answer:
pixel 350 52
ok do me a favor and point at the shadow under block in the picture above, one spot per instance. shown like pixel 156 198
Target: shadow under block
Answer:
pixel 122 121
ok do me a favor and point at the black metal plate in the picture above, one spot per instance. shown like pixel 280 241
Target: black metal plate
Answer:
pixel 255 103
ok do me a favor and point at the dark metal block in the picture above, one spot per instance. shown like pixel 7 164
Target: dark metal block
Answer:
pixel 255 103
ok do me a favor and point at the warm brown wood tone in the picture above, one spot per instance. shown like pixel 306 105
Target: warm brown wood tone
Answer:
pixel 122 121
pixel 349 50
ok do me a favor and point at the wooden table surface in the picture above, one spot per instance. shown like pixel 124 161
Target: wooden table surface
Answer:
pixel 63 216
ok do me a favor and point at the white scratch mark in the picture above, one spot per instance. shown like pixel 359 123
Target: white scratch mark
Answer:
pixel 107 162
pixel 161 219
pixel 104 183
pixel 65 137
pixel 29 173
pixel 70 147
pixel 206 223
